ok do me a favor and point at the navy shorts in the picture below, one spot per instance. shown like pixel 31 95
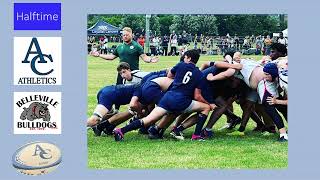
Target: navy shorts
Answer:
pixel 175 102
pixel 106 96
pixel 150 93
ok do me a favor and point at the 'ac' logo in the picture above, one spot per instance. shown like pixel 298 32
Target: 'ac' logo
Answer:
pixel 39 55
pixel 39 151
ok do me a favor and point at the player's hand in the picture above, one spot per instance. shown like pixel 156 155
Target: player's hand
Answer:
pixel 265 59
pixel 213 106
pixel 237 66
pixel 210 77
pixel 95 53
pixel 154 59
pixel 272 100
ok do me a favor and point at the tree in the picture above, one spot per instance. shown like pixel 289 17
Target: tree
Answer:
pixel 208 25
pixel 92 19
pixel 135 22
pixel 165 21
pixel 176 25
pixel 244 25
pixel 155 25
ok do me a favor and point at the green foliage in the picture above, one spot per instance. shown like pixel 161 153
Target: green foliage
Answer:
pixel 165 22
pixel 242 25
pixel 135 22
pixel 155 25
pixel 137 151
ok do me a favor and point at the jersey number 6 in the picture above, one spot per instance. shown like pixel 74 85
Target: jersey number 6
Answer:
pixel 186 77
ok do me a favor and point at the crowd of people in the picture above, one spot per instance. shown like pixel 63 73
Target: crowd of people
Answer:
pixel 185 94
pixel 176 44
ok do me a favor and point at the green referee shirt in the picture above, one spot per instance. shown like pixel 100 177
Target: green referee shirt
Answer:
pixel 129 53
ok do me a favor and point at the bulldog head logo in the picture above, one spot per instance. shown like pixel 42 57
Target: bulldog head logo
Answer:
pixel 36 110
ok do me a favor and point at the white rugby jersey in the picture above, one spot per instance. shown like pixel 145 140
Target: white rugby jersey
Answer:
pixel 137 76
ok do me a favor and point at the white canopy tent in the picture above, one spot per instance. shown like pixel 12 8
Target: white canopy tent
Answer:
pixel 285 33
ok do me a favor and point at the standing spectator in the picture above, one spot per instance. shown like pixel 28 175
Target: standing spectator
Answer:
pixel 236 42
pixel 105 45
pixel 184 38
pixel 282 40
pixel 258 45
pixel 101 39
pixel 267 45
pixel 173 35
pixel 90 43
pixel 195 42
pixel 152 45
pixel 141 41
pixel 164 44
pixel 246 43
pixel 173 45
pixel 252 41
pixel 156 42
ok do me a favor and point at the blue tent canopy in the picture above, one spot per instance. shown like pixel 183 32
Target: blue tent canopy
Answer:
pixel 103 28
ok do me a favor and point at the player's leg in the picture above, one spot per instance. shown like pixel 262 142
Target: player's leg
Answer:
pixel 97 115
pixel 203 111
pixel 247 106
pixel 181 118
pixel 107 125
pixel 153 117
pixel 256 118
pixel 190 121
pixel 222 106
pixel 157 131
pixel 283 109
pixel 269 89
pixel 267 120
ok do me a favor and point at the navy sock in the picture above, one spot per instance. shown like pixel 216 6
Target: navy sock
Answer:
pixel 132 126
pixel 201 120
pixel 180 128
pixel 104 124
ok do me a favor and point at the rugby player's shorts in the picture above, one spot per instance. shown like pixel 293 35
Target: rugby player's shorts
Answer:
pixel 150 93
pixel 175 102
pixel 106 97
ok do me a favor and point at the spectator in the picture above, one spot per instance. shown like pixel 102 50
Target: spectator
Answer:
pixel 282 40
pixel 153 45
pixel 141 41
pixel 267 45
pixel 258 45
pixel 173 45
pixel 164 44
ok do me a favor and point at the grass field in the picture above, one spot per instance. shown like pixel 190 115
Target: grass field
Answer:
pixel 138 152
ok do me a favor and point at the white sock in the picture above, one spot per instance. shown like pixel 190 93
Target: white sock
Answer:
pixel 207 129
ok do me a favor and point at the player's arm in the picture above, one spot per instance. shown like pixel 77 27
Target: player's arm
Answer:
pixel 205 65
pixel 109 57
pixel 170 74
pixel 173 70
pixel 134 103
pixel 221 76
pixel 198 96
pixel 221 64
pixel 148 59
